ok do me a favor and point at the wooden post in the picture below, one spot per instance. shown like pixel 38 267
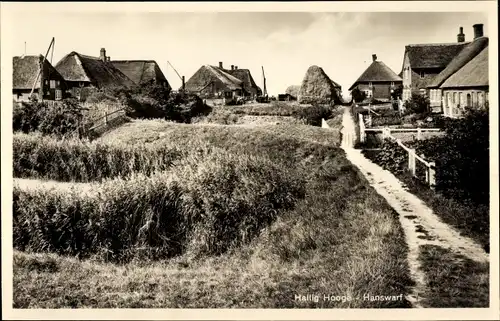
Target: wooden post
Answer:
pixel 362 134
pixel 419 133
pixel 432 174
pixel 411 161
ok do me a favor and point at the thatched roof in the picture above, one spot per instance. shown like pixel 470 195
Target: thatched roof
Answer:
pixel 317 87
pixel 246 77
pixel 460 60
pixel 377 72
pixel 78 67
pixel 141 71
pixel 439 55
pixel 210 74
pixel 26 69
pixel 336 85
pixel 473 74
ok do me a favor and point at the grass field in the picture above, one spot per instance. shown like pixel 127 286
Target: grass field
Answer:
pixel 265 213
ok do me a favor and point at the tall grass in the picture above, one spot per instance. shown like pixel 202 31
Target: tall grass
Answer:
pixel 44 157
pixel 208 202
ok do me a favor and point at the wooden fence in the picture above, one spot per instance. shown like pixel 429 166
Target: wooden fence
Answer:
pixel 430 167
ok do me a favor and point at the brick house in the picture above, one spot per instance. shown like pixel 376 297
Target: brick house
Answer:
pixel 377 81
pixel 423 62
pixel 36 72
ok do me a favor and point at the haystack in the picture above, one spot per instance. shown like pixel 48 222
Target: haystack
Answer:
pixel 293 90
pixel 317 87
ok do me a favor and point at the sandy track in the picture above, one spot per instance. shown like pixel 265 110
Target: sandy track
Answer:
pixel 29 184
pixel 420 224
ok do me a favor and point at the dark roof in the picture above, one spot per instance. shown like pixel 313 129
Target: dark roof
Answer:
pixel 140 71
pixel 437 55
pixel 246 77
pixel 473 74
pixel 78 67
pixel 377 71
pixel 26 69
pixel 460 60
pixel 207 74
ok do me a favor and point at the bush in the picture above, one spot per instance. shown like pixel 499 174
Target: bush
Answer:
pixel 417 104
pixel 68 160
pixel 208 203
pixel 313 115
pixel 358 95
pixel 61 119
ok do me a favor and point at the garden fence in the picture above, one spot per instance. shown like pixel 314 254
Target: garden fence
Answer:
pixel 429 167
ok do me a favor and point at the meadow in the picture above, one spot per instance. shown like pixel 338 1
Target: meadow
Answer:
pixel 201 215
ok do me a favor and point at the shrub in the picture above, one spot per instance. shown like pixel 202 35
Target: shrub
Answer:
pixel 358 95
pixel 208 203
pixel 67 160
pixel 65 118
pixel 313 115
pixel 417 104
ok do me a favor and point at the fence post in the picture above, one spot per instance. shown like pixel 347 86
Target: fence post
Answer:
pixel 419 133
pixel 411 161
pixel 432 174
pixel 362 134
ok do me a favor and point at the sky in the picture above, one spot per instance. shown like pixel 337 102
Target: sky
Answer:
pixel 286 44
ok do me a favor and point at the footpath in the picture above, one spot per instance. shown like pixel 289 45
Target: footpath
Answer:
pixel 421 226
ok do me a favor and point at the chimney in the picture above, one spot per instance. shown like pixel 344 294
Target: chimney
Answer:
pixel 108 58
pixel 235 67
pixel 220 65
pixel 374 57
pixel 232 67
pixel 478 30
pixel 461 36
pixel 102 56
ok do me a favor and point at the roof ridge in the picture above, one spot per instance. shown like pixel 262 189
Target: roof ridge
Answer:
pixel 438 44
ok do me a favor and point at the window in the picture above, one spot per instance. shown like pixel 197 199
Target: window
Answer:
pixel 461 101
pixel 392 84
pixel 455 98
pixel 370 84
pixel 46 82
pixel 474 99
pixel 422 74
pixel 52 84
pixel 58 83
pixel 480 98
pixel 58 94
pixel 469 100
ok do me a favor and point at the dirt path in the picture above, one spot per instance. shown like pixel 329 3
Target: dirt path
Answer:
pixel 28 184
pixel 420 224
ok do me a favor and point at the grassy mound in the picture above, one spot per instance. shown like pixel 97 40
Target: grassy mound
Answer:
pixel 43 157
pixel 208 203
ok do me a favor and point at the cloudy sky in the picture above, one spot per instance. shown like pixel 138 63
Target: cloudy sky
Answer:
pixel 286 44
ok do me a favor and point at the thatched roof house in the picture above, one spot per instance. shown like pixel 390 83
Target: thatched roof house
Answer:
pixel 474 74
pixel 245 76
pixel 377 81
pixel 317 87
pixel 461 59
pixel 49 85
pixel 82 71
pixel 212 81
pixel 142 71
pixel 423 62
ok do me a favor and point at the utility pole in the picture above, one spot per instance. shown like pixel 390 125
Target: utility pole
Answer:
pixel 41 68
